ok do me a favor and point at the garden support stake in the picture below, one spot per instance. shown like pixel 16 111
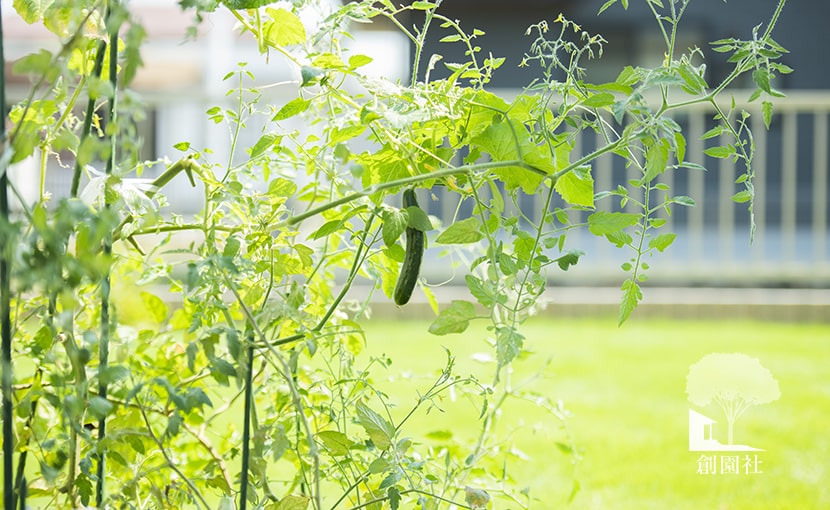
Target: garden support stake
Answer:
pixel 103 345
pixel 5 305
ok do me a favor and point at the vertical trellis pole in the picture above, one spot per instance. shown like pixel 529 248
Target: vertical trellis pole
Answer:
pixel 103 344
pixel 246 430
pixel 5 304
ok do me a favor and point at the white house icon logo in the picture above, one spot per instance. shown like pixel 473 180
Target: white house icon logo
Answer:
pixel 735 382
pixel 702 440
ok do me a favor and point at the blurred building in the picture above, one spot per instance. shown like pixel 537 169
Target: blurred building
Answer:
pixel 182 79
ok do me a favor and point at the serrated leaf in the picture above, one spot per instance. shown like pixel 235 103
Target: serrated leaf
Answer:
pixel 484 293
pixel 500 140
pixel 630 299
pixel 720 152
pixel 761 78
pixel 450 38
pixel 282 28
pixel 766 108
pixel 395 222
pixel 337 443
pixel 154 305
pixel 391 479
pixel 466 231
pixel 380 431
pixel 264 143
pixel 282 187
pixel 715 131
pixel 418 219
pixel 662 241
pixel 294 107
pixel 356 61
pixel 393 495
pixel 684 200
pixel 742 196
pixel 292 502
pixel 31 10
pixel 680 146
pixel 599 100
pixel 569 259
pixel 509 343
pixel 657 157
pixel 602 222
pixel 577 187
pixel 453 319
pixel 346 133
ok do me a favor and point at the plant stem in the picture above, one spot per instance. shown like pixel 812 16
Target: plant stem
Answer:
pixel 458 170
pixel 103 344
pixel 246 430
pixel 90 112
pixel 419 44
pixel 5 305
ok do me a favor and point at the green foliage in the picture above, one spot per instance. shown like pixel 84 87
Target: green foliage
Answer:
pixel 176 389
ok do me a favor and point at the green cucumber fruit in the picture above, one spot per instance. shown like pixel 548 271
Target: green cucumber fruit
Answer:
pixel 411 267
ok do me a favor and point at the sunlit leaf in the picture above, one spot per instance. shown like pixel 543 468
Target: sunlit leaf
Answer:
pixel 380 431
pixel 462 232
pixel 454 318
pixel 603 222
pixel 282 28
pixel 630 299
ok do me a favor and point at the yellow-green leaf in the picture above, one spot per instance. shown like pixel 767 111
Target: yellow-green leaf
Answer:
pixel 282 28
pixel 380 431
pixel 577 187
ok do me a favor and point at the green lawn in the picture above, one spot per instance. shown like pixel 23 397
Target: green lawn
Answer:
pixel 625 388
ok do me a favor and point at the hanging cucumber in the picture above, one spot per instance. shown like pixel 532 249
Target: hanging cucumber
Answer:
pixel 411 266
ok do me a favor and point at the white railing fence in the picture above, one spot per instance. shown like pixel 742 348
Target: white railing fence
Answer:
pixel 791 246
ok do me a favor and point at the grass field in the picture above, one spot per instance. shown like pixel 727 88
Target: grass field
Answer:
pixel 625 388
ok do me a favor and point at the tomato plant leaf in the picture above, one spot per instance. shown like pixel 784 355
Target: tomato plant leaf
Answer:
pixel 156 306
pixel 508 345
pixel 766 108
pixel 570 258
pixel 294 107
pixel 394 224
pixel 630 299
pixel 576 187
pixel 662 241
pixel 603 222
pixel 453 319
pixel 393 494
pixel 720 152
pixel 264 143
pixel 292 502
pixel 485 292
pixel 657 157
pixel 466 231
pixel 599 100
pixel 380 431
pixel 282 28
pixel 742 196
pixel 418 219
pixel 336 442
